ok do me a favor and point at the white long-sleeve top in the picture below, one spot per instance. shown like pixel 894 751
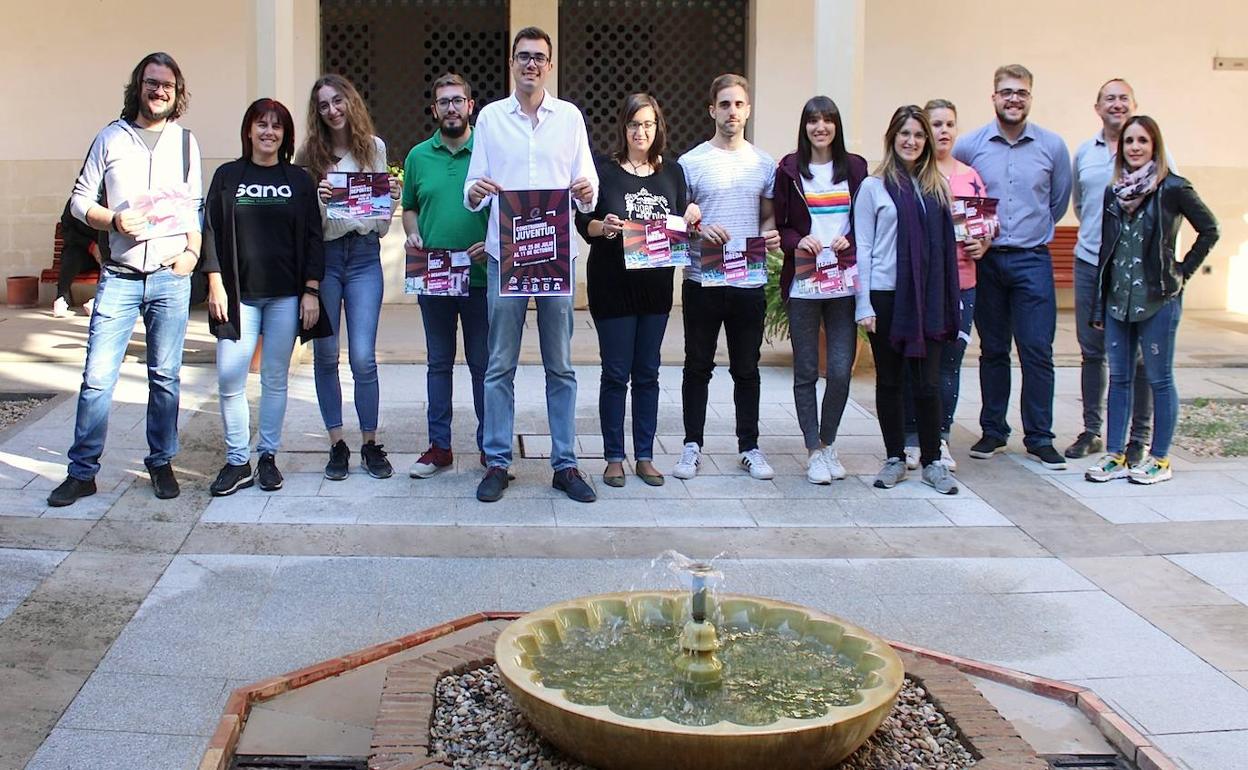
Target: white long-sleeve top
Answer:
pixel 510 150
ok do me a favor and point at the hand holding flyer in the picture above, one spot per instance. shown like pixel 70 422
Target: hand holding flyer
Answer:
pixel 974 219
pixel 168 210
pixel 656 243
pixel 822 275
pixel 359 195
pixel 535 230
pixel 437 272
pixel 740 262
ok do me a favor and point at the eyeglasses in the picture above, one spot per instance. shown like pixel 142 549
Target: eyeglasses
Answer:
pixel 159 85
pixel 457 102
pixel 323 107
pixel 643 125
pixel 1010 93
pixel 524 57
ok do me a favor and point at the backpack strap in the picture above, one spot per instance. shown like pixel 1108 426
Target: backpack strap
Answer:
pixel 186 155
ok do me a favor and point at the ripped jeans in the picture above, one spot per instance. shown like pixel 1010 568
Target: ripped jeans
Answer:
pixel 1154 337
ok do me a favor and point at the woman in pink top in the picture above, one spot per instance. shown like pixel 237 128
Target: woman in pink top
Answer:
pixel 963 181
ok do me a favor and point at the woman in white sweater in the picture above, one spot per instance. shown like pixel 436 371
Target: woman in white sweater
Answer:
pixel 341 138
pixel 907 296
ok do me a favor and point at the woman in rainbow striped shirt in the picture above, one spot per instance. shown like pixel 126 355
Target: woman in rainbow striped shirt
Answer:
pixel 814 187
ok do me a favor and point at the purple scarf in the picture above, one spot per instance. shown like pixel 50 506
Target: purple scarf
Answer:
pixel 927 306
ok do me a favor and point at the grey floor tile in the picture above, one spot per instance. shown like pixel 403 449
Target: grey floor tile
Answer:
pixel 603 513
pixel 146 704
pixel 970 513
pixel 701 513
pixel 1198 508
pixel 70 749
pixel 897 512
pixel 1217 569
pixel 1194 702
pixel 1207 751
pixel 535 512
pixel 804 513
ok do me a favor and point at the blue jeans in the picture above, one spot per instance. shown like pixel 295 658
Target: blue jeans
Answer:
pixel 162 299
pixel 1015 298
pixel 441 316
pixel 277 319
pixel 1092 364
pixel 352 278
pixel 950 375
pixel 554 329
pixel 629 349
pixel 1155 337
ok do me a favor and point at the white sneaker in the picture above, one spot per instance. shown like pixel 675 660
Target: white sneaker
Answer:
pixel 946 457
pixel 756 463
pixel 88 307
pixel 835 468
pixel 690 459
pixel 817 471
pixel 60 308
pixel 912 458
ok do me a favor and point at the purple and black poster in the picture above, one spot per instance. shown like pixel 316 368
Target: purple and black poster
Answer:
pixel 534 235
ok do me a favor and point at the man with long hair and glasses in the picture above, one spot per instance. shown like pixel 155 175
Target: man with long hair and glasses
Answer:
pixel 144 151
pixel 1027 169
pixel 530 141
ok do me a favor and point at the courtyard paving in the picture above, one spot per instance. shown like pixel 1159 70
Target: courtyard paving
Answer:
pixel 125 621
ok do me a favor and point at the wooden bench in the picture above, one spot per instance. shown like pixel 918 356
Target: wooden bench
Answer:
pixel 53 274
pixel 1062 249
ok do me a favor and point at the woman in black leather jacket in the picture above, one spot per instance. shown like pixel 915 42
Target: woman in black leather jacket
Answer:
pixel 1140 297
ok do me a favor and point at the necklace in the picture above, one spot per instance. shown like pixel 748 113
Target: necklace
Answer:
pixel 637 167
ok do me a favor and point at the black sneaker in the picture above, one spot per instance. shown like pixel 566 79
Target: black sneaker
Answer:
pixel 374 460
pixel 1135 453
pixel 163 483
pixel 490 490
pixel 572 482
pixel 70 490
pixel 1048 457
pixel 339 461
pixel 986 447
pixel 269 476
pixel 231 479
pixel 1086 444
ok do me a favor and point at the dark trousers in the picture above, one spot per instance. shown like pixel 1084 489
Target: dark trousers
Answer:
pixel 630 350
pixel 891 372
pixel 740 313
pixel 1015 300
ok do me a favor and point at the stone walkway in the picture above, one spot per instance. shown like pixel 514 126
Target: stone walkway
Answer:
pixel 124 621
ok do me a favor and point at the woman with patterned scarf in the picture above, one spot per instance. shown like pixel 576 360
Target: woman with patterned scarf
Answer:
pixel 908 297
pixel 1140 291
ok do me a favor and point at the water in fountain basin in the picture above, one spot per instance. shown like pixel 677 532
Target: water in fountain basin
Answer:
pixel 768 674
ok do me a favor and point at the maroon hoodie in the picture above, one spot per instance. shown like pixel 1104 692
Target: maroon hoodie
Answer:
pixel 793 217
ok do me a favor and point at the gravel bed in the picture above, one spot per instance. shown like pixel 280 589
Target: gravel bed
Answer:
pixel 12 412
pixel 1213 428
pixel 476 725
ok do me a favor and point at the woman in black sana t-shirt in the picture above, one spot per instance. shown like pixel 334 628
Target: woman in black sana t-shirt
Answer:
pixel 630 307
pixel 264 258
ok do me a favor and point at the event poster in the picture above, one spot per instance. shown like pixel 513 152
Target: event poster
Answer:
pixel 534 236
pixel 821 276
pixel 359 195
pixel 974 219
pixel 740 262
pixel 437 272
pixel 656 243
pixel 168 210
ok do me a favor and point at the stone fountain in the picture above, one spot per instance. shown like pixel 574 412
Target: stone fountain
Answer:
pixel 697 681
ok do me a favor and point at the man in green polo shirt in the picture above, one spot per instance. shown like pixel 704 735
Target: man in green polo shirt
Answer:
pixel 434 217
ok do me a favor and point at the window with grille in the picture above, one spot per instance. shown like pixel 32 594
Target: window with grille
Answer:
pixel 393 51
pixel 671 49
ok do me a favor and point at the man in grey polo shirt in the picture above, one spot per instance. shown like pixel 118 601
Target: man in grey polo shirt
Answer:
pixel 1027 168
pixel 1094 169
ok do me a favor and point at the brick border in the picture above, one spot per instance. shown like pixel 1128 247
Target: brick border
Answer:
pixel 989 733
pixel 220 751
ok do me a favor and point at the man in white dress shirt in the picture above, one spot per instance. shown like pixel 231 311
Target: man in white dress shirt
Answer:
pixel 530 141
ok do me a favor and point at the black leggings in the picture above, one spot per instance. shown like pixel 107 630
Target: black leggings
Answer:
pixel 924 374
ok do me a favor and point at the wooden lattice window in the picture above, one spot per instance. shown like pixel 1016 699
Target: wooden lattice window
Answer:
pixel 394 50
pixel 671 49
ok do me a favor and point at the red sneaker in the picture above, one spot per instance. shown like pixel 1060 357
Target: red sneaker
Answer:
pixel 433 460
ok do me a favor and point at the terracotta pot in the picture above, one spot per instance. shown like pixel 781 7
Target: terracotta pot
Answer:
pixel 23 291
